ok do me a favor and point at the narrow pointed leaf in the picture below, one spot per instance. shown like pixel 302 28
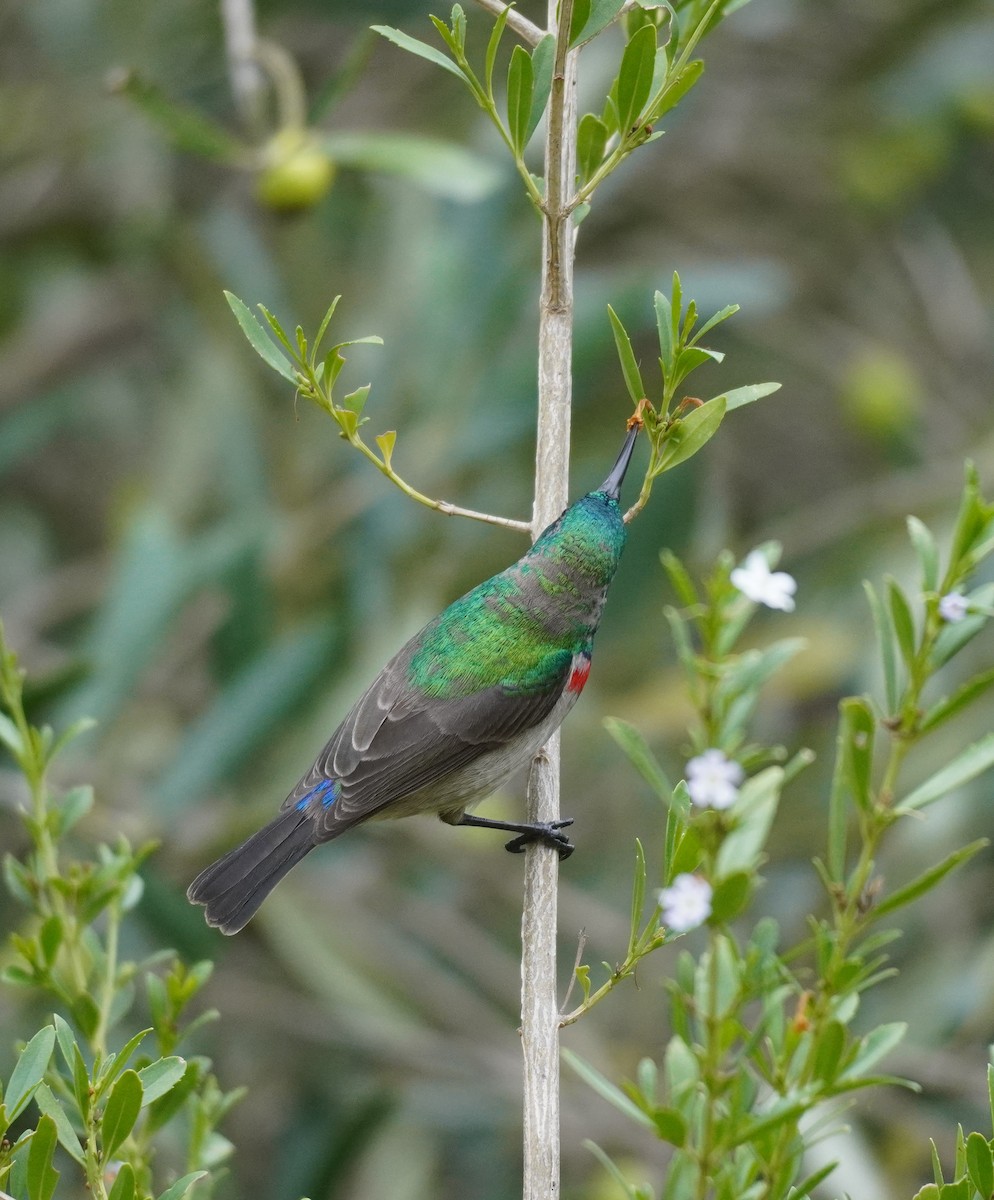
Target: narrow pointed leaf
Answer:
pixel 980 1164
pixel 29 1071
pixel 635 76
pixel 123 1106
pixel 691 433
pixel 543 61
pixel 606 1089
pixel 875 1046
pixel 591 144
pixel 626 356
pixel 159 1077
pixel 676 87
pixel 520 89
pixel 965 766
pixel 638 895
pixel 492 46
pixel 664 327
pixel 927 880
pixel 600 15
pixel 904 622
pixel 421 49
pixel 887 639
pixel 964 695
pixel 323 328
pixel 42 1176
pixel 640 756
pixel 182 1186
pixel 124 1184
pixel 259 340
pixel 857 749
pixel 928 554
pixel 68 1139
pixel 737 397
pixel 722 315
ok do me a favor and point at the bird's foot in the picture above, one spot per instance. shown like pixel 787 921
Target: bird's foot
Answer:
pixel 546 832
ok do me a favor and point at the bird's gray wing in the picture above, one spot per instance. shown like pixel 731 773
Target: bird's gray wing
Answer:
pixel 397 740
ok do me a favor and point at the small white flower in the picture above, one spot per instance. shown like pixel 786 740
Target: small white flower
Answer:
pixel 953 607
pixel 755 580
pixel 713 780
pixel 686 903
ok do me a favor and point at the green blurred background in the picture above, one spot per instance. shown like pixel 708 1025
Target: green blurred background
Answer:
pixel 214 576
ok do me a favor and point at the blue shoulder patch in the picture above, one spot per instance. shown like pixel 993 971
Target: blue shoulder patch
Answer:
pixel 327 792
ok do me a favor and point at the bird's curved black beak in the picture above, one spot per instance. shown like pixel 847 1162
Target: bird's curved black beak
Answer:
pixel 611 486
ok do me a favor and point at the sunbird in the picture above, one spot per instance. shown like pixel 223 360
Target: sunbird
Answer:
pixel 464 704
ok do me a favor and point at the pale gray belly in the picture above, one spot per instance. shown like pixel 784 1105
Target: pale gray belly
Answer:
pixel 473 783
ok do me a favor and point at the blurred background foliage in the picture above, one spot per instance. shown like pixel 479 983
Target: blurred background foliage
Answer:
pixel 213 576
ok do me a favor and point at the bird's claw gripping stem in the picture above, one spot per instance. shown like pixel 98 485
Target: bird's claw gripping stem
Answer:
pixel 546 832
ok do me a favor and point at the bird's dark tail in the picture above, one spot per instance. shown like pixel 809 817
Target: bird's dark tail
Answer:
pixel 234 887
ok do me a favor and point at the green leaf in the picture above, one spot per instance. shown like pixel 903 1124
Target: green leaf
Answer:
pixel 856 749
pixel 323 329
pixel 182 1186
pixel 606 1089
pixel 421 49
pixel 116 1063
pixel 878 1043
pixel 927 880
pixel 260 341
pixel 829 1048
pixel 124 1183
pixel 439 167
pixel 664 327
pixel 29 1071
pixel 157 1078
pixel 67 1136
pixel 679 578
pixel 638 896
pixel 73 806
pixel 74 1061
pixel 753 813
pixel 904 622
pixel 731 895
pixel 492 46
pixel 386 442
pixel 42 1176
pixel 543 61
pixel 949 706
pixel 591 144
pixel 634 81
pixel 740 396
pixel 601 14
pixel 928 554
pixel 722 315
pixel 980 1164
pixel 967 765
pixel 626 356
pixel 11 737
pixel 612 1169
pixel 686 435
pixel 520 89
pixel 123 1106
pixel 670 1126
pixel 641 757
pixel 674 90
pixel 185 127
pixel 886 637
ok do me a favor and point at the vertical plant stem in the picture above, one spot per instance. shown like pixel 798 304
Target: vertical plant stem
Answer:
pixel 539 1005
pixel 240 42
